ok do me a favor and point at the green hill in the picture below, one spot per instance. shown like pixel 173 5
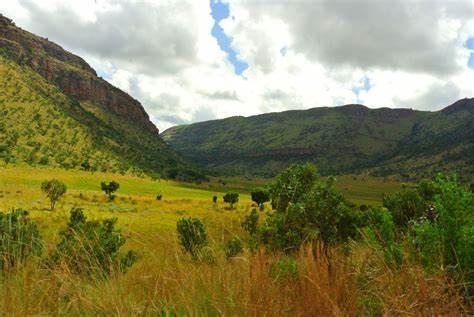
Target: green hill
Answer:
pixel 56 111
pixel 340 140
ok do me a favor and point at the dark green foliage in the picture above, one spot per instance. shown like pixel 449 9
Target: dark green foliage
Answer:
pixel 411 203
pixel 308 209
pixel 109 188
pixel 214 199
pixel 159 196
pixel 19 238
pixel 231 198
pixel 53 189
pixel 233 247
pixel 250 223
pixel 91 247
pixel 260 196
pixel 192 235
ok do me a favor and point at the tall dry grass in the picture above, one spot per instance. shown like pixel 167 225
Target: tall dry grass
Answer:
pixel 167 282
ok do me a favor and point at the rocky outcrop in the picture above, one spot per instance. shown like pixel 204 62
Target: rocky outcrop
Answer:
pixel 70 73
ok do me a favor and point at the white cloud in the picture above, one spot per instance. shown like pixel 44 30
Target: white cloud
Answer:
pixel 163 54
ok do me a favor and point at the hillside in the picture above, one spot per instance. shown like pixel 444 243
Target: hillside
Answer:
pixel 56 111
pixel 340 140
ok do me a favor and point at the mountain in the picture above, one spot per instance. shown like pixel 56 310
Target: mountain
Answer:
pixel 339 140
pixel 56 111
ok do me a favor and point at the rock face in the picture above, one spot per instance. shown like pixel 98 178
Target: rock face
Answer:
pixel 70 73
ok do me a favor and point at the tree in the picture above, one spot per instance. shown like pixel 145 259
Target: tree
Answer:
pixel 260 196
pixel 110 188
pixel 231 198
pixel 53 189
pixel 307 209
pixel 250 222
pixel 214 199
pixel 192 235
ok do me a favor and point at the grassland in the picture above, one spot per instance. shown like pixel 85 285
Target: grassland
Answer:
pixel 165 281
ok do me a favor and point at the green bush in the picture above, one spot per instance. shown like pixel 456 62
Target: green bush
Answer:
pixel 53 189
pixel 159 196
pixel 19 238
pixel 260 196
pixel 109 189
pixel 231 198
pixel 91 247
pixel 192 235
pixel 233 247
pixel 308 209
pixel 214 199
pixel 250 223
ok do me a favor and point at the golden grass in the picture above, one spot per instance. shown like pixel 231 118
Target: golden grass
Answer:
pixel 166 281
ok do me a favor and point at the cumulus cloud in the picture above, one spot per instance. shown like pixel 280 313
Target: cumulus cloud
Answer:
pixel 301 54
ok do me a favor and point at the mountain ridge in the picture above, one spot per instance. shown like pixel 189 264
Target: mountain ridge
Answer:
pixel 358 138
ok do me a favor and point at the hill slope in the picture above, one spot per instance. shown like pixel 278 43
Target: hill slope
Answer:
pixel 56 111
pixel 340 140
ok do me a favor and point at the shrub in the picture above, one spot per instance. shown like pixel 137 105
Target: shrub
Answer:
pixel 447 239
pixel 19 238
pixel 284 269
pixel 318 213
pixel 192 235
pixel 233 247
pixel 231 198
pixel 91 247
pixel 260 196
pixel 53 189
pixel 159 196
pixel 214 199
pixel 109 189
pixel 250 223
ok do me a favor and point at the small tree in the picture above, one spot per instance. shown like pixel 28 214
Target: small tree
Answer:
pixel 110 188
pixel 159 196
pixel 214 199
pixel 192 235
pixel 53 189
pixel 233 247
pixel 231 198
pixel 260 196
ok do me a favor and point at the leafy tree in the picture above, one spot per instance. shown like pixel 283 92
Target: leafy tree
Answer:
pixel 231 198
pixel 260 196
pixel 91 247
pixel 19 238
pixel 214 199
pixel 250 222
pixel 292 185
pixel 109 188
pixel 233 247
pixel 53 189
pixel 192 235
pixel 307 209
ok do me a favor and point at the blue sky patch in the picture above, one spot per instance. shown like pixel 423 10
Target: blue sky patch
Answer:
pixel 219 12
pixel 366 87
pixel 470 43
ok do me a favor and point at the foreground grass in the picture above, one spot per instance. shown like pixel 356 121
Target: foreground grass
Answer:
pixel 165 281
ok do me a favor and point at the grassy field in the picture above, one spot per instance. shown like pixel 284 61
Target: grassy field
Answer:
pixel 166 281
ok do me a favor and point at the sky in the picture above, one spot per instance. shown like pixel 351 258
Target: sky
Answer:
pixel 194 60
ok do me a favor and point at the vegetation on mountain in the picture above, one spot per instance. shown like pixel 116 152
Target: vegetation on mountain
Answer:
pixel 349 139
pixel 55 111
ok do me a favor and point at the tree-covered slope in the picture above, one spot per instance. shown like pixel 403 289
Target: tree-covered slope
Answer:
pixel 56 111
pixel 340 140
